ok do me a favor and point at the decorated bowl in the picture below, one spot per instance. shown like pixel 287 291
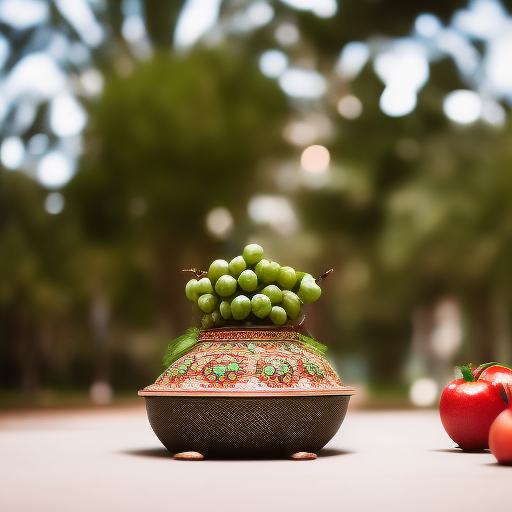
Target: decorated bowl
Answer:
pixel 247 392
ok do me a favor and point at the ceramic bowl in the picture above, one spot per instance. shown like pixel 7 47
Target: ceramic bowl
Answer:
pixel 253 392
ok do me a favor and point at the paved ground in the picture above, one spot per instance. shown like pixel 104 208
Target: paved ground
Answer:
pixel 110 460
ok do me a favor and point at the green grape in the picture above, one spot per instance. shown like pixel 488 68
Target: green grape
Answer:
pixel 261 305
pixel 274 293
pixel 237 265
pixel 218 268
pixel 253 253
pixel 225 309
pixel 204 285
pixel 291 303
pixel 207 322
pixel 267 271
pixel 207 302
pixel 225 285
pixel 216 318
pixel 278 315
pixel 299 275
pixel 286 278
pixel 248 281
pixel 191 289
pixel 309 291
pixel 240 307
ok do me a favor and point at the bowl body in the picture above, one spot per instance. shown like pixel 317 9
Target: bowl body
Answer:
pixel 247 393
pixel 222 426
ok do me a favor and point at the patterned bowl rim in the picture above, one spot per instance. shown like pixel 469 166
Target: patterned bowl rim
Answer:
pixel 233 393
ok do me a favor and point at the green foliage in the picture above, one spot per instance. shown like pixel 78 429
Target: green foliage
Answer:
pixel 179 135
pixel 180 346
pixel 316 346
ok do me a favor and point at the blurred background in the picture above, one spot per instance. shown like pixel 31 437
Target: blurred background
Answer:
pixel 141 137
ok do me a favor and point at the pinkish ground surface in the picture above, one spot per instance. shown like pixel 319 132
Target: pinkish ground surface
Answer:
pixel 110 460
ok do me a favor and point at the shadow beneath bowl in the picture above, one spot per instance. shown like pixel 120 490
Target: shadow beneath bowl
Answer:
pixel 460 450
pixel 160 453
pixel 332 452
pixel 163 453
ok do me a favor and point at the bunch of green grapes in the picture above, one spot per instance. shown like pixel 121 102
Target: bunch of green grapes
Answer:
pixel 251 287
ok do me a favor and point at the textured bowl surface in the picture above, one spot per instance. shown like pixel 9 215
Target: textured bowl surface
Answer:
pixel 222 426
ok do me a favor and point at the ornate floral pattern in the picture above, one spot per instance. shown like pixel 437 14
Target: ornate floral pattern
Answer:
pixel 248 360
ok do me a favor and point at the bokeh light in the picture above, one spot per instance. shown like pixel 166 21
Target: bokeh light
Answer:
pixel 55 169
pixel 79 14
pixel 67 116
pixel 12 152
pixel 23 14
pixel 195 19
pixel 423 392
pixel 300 134
pixel 350 107
pixel 427 25
pixel 321 8
pixel 91 81
pixel 36 75
pixel 352 59
pixel 315 158
pixel 260 13
pixel 287 34
pixel 493 113
pixel 274 211
pixel 133 28
pixel 462 106
pixel 220 223
pixel 273 63
pixel 54 203
pixel 397 102
pixel 301 83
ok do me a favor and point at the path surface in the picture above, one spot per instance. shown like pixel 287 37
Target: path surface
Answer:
pixel 110 460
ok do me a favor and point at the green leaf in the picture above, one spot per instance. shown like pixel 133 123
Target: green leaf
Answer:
pixel 180 346
pixel 316 346
pixel 467 372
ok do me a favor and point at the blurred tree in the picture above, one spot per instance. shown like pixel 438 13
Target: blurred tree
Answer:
pixel 417 207
pixel 164 146
pixel 36 296
pixel 403 209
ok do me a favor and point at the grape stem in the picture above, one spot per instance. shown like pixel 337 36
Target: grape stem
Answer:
pixel 202 273
pixel 197 272
pixel 324 275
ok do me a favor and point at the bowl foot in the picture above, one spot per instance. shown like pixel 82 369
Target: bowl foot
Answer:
pixel 304 456
pixel 188 456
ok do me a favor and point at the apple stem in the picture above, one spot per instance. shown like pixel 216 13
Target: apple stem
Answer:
pixel 467 372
